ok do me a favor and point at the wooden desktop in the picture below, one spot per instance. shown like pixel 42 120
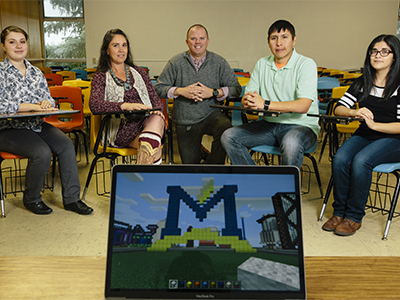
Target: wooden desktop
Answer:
pixel 53 277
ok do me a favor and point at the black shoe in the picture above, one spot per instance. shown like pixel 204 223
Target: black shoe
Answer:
pixel 38 208
pixel 79 207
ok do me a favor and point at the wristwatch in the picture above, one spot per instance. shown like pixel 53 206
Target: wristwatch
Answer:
pixel 215 93
pixel 266 104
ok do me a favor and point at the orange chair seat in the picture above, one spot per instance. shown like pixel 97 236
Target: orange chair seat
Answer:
pixel 65 126
pixel 6 155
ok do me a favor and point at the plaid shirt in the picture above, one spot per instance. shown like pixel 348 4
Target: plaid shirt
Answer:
pixel 16 89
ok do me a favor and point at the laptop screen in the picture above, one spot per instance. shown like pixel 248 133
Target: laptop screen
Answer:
pixel 205 232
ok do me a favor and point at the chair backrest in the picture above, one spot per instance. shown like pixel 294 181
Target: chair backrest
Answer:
pixel 326 83
pixel 46 70
pixel 55 69
pixel 86 88
pixel 67 75
pixel 82 74
pixel 327 72
pixel 53 79
pixel 349 78
pixel 90 72
pixel 244 74
pixel 243 81
pixel 73 96
pixel 339 91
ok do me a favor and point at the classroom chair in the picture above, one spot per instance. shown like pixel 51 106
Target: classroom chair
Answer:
pixel 67 75
pixel 53 79
pixel 73 97
pixel 16 175
pixel 239 118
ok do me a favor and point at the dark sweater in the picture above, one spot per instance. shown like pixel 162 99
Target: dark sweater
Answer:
pixel 214 73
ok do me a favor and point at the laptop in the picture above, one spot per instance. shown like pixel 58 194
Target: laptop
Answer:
pixel 205 232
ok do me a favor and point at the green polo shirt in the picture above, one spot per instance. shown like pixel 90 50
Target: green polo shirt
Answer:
pixel 297 79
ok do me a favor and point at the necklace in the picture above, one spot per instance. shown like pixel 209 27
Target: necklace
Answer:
pixel 127 86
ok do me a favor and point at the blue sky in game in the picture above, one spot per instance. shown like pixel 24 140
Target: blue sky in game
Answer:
pixel 143 199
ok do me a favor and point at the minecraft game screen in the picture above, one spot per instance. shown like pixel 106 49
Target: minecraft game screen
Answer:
pixel 207 232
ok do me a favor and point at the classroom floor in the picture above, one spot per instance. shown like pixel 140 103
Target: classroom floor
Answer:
pixel 64 233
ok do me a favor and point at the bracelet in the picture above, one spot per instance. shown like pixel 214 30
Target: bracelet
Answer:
pixel 266 104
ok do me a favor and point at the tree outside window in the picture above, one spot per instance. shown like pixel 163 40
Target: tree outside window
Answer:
pixel 64 33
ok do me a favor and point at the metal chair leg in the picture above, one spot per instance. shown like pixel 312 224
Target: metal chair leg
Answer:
pixel 328 192
pixel 392 206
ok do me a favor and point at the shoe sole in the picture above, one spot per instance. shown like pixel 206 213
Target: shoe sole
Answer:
pixel 330 229
pixel 85 213
pixel 340 233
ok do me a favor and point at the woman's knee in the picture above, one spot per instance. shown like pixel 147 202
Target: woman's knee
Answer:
pixel 155 123
pixel 40 154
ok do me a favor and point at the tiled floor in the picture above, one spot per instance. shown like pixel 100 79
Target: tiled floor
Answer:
pixel 63 233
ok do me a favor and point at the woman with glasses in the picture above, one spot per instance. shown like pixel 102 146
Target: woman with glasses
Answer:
pixel 376 141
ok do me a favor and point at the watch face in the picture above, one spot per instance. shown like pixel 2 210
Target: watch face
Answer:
pixel 215 93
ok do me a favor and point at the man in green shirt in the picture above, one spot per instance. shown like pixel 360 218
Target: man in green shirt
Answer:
pixel 285 82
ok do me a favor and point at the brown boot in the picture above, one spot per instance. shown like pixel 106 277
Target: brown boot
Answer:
pixel 347 227
pixel 332 223
pixel 146 154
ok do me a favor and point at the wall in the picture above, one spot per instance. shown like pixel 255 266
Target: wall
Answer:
pixel 334 33
pixel 24 14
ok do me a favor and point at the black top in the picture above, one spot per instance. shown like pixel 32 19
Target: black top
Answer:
pixel 384 111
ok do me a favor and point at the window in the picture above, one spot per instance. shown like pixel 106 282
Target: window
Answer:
pixel 64 33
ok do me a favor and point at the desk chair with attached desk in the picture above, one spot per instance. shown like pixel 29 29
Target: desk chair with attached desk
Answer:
pixel 343 129
pixel 53 79
pixel 99 129
pixel 325 86
pixel 73 96
pixel 46 70
pixel 67 75
pixel 85 86
pixel 239 118
pixel 18 177
pixel 80 74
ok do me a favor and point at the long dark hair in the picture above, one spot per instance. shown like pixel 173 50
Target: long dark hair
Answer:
pixel 369 73
pixel 104 61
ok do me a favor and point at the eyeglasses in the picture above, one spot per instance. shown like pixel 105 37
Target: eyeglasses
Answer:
pixel 383 52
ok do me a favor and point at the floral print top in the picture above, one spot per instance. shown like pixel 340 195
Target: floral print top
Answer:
pixel 16 89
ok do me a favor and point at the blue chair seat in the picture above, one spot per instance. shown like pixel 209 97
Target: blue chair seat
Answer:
pixel 273 150
pixel 387 168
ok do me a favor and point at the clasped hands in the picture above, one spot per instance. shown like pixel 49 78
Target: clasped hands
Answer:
pixel 253 100
pixel 196 91
pixel 365 114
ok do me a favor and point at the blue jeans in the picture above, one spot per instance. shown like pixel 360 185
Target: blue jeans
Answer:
pixel 292 141
pixel 38 147
pixel 190 136
pixel 352 173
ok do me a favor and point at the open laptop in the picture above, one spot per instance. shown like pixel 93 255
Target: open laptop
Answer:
pixel 205 232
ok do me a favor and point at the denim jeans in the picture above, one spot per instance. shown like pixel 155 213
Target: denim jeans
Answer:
pixel 190 136
pixel 352 173
pixel 38 147
pixel 292 141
